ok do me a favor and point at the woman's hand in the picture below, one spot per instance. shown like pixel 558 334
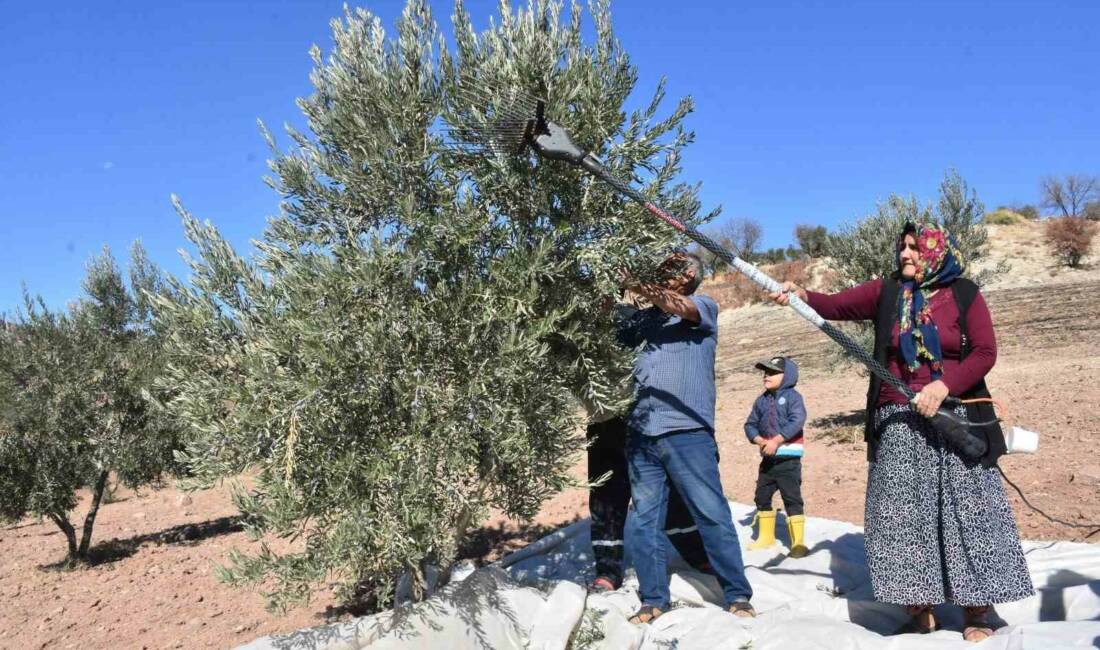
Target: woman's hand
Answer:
pixel 928 401
pixel 788 287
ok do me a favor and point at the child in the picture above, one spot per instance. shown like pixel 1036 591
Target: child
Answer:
pixel 775 425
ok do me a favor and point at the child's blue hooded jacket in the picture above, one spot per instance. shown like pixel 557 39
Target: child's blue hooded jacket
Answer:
pixel 780 413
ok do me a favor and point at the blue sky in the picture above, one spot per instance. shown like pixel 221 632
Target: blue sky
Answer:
pixel 806 111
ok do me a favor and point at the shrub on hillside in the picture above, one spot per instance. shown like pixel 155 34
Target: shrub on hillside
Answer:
pixel 1092 211
pixel 1070 238
pixel 1003 217
pixel 794 270
pixel 733 290
pixel 1028 211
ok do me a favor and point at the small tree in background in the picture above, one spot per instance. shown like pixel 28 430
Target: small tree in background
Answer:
pixel 865 250
pixel 1092 211
pixel 1070 239
pixel 811 239
pixel 770 256
pixel 742 236
pixel 404 351
pixel 73 400
pixel 1070 194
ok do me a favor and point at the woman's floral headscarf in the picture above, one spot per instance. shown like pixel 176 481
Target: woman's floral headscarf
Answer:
pixel 939 263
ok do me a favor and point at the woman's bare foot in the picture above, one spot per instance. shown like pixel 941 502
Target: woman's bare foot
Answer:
pixel 976 627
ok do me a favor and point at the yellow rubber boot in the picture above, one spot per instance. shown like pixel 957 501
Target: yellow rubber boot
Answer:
pixel 796 527
pixel 765 535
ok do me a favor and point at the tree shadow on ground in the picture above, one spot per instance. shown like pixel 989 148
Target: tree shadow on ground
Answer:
pixel 491 542
pixel 844 427
pixel 354 609
pixel 24 524
pixel 483 545
pixel 474 601
pixel 845 419
pixel 114 550
pixel 1052 597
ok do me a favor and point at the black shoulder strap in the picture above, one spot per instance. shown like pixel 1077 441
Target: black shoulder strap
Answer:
pixel 888 297
pixel 885 312
pixel 965 291
pixel 885 316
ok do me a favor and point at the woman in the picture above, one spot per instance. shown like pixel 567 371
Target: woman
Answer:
pixel 938 525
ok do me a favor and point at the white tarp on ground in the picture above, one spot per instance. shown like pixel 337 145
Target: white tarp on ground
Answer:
pixel 534 599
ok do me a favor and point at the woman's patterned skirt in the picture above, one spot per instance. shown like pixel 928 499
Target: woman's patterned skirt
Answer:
pixel 938 528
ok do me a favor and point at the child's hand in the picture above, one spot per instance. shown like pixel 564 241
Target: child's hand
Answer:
pixel 771 445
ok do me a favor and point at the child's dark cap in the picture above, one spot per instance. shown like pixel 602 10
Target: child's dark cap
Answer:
pixel 773 366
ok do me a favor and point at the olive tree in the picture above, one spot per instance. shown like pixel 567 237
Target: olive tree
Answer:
pixel 74 399
pixel 405 347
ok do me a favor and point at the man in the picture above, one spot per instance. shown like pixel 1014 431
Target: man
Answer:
pixel 608 501
pixel 671 435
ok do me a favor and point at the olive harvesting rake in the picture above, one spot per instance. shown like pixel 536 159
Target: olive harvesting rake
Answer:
pixel 518 124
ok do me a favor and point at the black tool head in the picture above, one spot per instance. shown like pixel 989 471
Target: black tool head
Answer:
pixel 957 431
pixel 552 141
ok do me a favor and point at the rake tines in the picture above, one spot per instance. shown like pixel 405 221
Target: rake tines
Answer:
pixel 487 120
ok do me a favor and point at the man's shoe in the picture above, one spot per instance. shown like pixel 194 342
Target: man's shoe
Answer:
pixel 742 609
pixel 647 614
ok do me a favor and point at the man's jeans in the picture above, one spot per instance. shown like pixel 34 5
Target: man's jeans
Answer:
pixel 689 460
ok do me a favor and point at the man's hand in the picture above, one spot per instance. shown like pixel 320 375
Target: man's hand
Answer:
pixel 928 401
pixel 662 298
pixel 771 445
pixel 627 280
